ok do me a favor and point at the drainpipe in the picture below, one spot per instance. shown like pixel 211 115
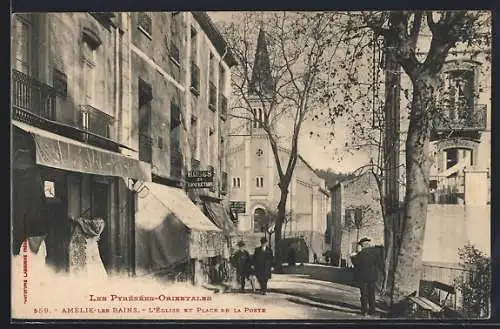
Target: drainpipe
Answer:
pixel 118 121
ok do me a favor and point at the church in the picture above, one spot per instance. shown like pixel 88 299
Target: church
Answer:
pixel 253 183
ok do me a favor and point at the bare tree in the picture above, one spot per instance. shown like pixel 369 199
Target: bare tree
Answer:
pixel 402 30
pixel 288 87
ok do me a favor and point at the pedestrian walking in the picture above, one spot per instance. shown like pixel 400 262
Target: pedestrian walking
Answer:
pixel 241 260
pixel 366 266
pixel 263 261
pixel 315 258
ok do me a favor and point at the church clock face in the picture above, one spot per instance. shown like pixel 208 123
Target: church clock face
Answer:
pixel 259 152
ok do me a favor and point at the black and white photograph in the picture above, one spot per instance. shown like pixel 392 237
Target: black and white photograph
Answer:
pixel 251 165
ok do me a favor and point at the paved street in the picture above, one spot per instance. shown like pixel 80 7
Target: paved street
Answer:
pixel 307 298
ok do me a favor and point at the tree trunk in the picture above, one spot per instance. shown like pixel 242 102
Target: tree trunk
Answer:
pixel 278 230
pixel 411 234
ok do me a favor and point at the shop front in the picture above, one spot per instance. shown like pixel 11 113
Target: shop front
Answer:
pixel 57 181
pixel 173 237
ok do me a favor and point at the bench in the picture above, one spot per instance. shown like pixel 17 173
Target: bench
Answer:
pixel 449 290
pixel 429 306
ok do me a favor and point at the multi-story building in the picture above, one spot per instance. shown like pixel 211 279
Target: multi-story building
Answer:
pixel 111 112
pixel 68 114
pixel 179 85
pixel 254 180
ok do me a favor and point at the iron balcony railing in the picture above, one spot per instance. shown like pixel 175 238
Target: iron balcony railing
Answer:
pixel 31 95
pixel 212 97
pixel 195 78
pixel 223 106
pixel 96 121
pixel 472 119
pixel 176 162
pixel 145 148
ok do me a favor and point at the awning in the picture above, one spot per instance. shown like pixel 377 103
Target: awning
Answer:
pixel 220 217
pixel 156 201
pixel 60 152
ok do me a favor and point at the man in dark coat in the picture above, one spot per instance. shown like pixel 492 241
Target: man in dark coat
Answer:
pixel 241 260
pixel 366 267
pixel 263 261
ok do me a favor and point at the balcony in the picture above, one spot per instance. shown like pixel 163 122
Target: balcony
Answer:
pixel 212 99
pixel 223 107
pixel 468 122
pixel 176 162
pixel 195 79
pixel 34 103
pixel 31 95
pixel 223 186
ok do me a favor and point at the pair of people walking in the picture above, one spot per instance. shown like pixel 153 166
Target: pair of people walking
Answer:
pixel 259 265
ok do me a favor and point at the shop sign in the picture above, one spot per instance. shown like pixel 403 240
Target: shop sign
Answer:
pixel 237 207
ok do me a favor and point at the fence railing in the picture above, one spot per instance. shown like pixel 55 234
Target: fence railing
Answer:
pixel 96 121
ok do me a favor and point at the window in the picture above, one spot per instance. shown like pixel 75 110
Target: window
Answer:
pixel 145 24
pixel 60 83
pixel 259 181
pixel 22 32
pixel 194 134
pixel 236 182
pixel 89 57
pixel 453 156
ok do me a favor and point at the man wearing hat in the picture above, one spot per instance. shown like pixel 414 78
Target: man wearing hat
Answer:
pixel 263 262
pixel 241 260
pixel 366 266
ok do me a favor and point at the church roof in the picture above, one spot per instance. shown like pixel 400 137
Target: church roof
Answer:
pixel 261 73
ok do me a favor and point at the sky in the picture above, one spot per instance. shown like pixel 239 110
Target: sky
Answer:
pixel 317 150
